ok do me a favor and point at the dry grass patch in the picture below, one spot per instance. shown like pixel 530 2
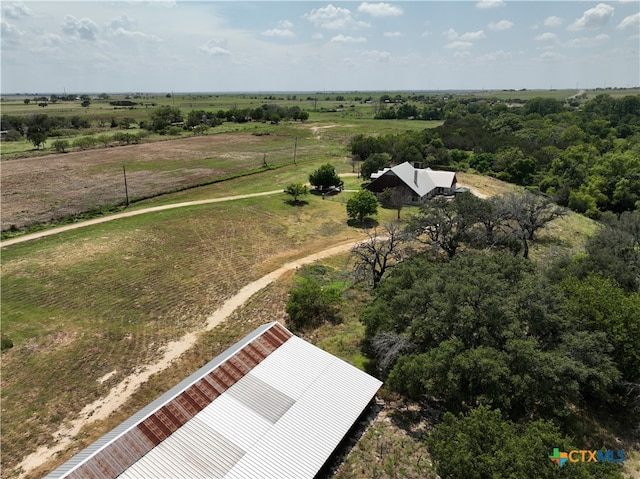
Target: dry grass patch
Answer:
pixel 486 185
pixel 392 447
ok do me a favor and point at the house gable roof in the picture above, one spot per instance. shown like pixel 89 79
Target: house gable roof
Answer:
pixel 421 181
pixel 272 405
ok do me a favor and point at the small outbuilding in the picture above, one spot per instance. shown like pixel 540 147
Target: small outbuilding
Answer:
pixel 415 184
pixel 271 406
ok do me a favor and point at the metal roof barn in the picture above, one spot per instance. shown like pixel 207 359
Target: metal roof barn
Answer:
pixel 271 406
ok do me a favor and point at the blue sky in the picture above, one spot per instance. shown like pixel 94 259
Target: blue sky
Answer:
pixel 259 46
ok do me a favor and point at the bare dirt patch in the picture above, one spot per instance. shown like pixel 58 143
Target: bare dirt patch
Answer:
pixel 44 189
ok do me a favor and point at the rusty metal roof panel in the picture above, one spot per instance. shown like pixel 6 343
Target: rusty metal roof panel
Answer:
pixel 125 429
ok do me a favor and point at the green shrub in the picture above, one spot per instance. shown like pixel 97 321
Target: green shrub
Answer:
pixel 5 342
pixel 13 135
pixel 313 301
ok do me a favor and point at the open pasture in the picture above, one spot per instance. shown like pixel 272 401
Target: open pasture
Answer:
pixel 42 190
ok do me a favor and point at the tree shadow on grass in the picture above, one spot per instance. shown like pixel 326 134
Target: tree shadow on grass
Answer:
pixel 416 418
pixel 365 224
pixel 325 193
pixel 296 202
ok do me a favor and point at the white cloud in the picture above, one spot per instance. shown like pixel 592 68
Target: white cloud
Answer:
pixel 47 44
pixel 495 57
pixel 122 32
pixel 215 48
pixel 283 30
pixel 125 27
pixel 347 39
pixel 317 36
pixel 490 3
pixel 393 34
pixel 462 54
pixel 377 56
pixel 459 45
pixel 551 56
pixel 472 36
pixel 333 18
pixel 380 9
pixel 84 28
pixel 51 40
pixel 588 41
pixel 123 21
pixel 10 33
pixel 501 25
pixel 595 17
pixel 544 37
pixel 16 10
pixel 553 21
pixel 451 34
pixel 630 21
pixel 279 32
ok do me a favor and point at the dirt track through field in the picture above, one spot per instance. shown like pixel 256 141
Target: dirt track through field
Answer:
pixel 119 394
pixel 61 229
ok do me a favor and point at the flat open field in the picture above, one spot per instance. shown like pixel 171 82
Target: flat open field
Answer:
pixel 47 189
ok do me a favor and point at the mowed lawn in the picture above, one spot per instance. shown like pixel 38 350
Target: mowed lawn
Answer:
pixel 82 304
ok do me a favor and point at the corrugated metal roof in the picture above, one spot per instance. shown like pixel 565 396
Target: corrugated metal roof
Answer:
pixel 272 405
pixel 421 181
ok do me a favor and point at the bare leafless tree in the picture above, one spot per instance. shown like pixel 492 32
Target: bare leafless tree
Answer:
pixel 527 213
pixel 376 255
pixel 388 347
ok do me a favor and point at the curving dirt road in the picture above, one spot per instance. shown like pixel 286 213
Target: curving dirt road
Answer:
pixel 102 408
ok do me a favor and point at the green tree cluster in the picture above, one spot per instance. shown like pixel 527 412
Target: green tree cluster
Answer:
pixel 374 163
pixel 481 444
pixel 362 204
pixel 506 221
pixel 296 190
pixel 325 177
pixel 488 329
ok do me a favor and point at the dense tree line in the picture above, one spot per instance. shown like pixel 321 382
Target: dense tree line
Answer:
pixel 587 156
pixel 513 355
pixel 166 119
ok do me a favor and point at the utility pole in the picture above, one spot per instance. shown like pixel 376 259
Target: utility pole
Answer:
pixel 126 190
pixel 295 148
